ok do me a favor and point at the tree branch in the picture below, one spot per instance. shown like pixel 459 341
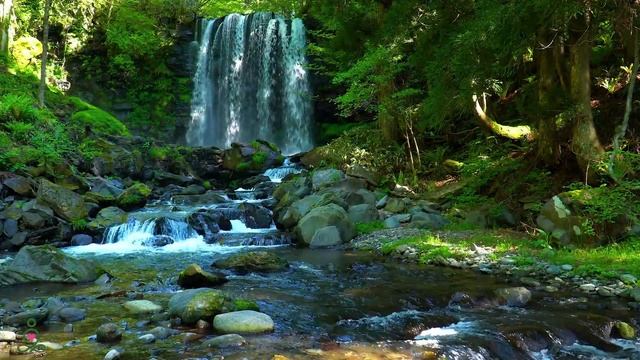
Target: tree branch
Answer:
pixel 510 132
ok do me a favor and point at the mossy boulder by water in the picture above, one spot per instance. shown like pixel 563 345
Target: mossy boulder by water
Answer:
pixel 65 203
pixel 134 197
pixel 259 261
pixel 108 217
pixel 197 304
pixel 321 217
pixel 47 264
pixel 195 277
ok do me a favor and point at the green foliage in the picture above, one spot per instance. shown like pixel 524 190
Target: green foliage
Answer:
pixel 367 228
pixel 79 225
pixel 18 107
pixel 608 204
pixel 135 195
pixel 259 159
pixel 99 122
pixel 243 304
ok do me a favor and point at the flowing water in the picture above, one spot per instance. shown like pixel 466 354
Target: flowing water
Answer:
pixel 251 83
pixel 330 304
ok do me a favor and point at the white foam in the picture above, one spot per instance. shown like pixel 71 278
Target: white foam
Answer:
pixel 451 330
pixel 238 227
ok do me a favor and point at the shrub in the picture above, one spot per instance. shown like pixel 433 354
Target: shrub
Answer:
pixel 18 107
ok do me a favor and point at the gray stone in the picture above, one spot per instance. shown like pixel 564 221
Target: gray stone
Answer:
pixel 514 297
pixel 628 279
pixel 225 341
pixel 114 354
pixel 142 307
pixel 318 218
pixel 108 217
pixel 65 203
pixel 10 227
pixel 162 333
pixel 391 223
pixel 195 277
pixel 32 220
pixel 567 267
pixel 424 220
pixel 21 318
pixel 147 338
pixel 382 202
pixel 19 185
pixel 243 322
pixel 7 336
pixel 326 237
pixel 71 314
pixel 363 213
pixel 18 239
pixel 108 333
pixel 47 264
pixel 324 178
pixel 396 205
pixel 81 240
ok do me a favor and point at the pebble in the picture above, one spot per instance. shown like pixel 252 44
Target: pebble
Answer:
pixel 113 354
pixel 147 338
pixel 587 287
pixel 566 267
pixel 7 336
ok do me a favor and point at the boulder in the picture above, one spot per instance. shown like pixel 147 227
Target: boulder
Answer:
pixel 429 221
pixel 392 222
pixel 81 240
pixel 108 217
pixel 19 185
pixel 47 264
pixel 10 228
pixel 363 213
pixel 514 297
pixel 164 178
pixel 33 220
pixel 142 307
pixel 254 261
pixel 65 203
pixel 193 190
pixel 196 304
pixel 361 196
pixel 103 191
pixel 625 331
pixel 134 197
pixel 207 223
pixel 251 158
pixel 565 215
pixel 255 216
pixel 289 191
pixel 325 178
pixel 396 205
pixel 208 198
pixel 326 237
pixel 24 317
pixel 318 218
pixel 108 333
pixel 243 322
pixel 225 341
pixel 71 314
pixel 195 277
pixel 360 172
pixel 299 208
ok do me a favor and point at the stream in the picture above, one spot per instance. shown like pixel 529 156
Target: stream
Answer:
pixel 329 304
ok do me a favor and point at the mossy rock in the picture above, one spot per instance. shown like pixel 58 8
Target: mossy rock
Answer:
pixel 197 304
pixel 244 304
pixel 259 261
pixel 25 51
pixel 100 122
pixel 134 197
pixel 108 217
pixel 195 277
pixel 66 203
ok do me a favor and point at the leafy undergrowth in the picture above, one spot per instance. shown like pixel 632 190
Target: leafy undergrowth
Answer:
pixel 607 262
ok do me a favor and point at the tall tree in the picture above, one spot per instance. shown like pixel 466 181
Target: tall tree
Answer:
pixel 6 11
pixel 45 45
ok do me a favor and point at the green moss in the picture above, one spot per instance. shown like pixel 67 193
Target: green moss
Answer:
pixel 243 166
pixel 207 185
pixel 259 159
pixel 134 196
pixel 367 228
pixel 100 122
pixel 158 153
pixel 243 304
pixel 25 51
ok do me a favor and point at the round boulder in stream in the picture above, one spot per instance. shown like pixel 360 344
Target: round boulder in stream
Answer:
pixel 196 304
pixel 243 322
pixel 254 261
pixel 195 277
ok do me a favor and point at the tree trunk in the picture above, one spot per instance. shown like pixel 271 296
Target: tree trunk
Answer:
pixel 585 143
pixel 549 84
pixel 387 114
pixel 45 48
pixel 6 11
pixel 510 132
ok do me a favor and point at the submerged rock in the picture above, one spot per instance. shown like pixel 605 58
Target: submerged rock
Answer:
pixel 225 341
pixel 195 277
pixel 515 296
pixel 260 261
pixel 196 304
pixel 47 264
pixel 243 322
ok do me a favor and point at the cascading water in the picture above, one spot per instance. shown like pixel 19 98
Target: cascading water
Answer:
pixel 251 83
pixel 137 232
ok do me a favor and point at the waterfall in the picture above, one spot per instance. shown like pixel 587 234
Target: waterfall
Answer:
pixel 251 82
pixel 137 232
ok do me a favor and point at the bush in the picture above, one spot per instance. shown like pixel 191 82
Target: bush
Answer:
pixel 18 107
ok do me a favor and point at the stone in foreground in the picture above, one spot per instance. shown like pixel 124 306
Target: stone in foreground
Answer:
pixel 243 322
pixel 225 341
pixel 142 307
pixel 193 305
